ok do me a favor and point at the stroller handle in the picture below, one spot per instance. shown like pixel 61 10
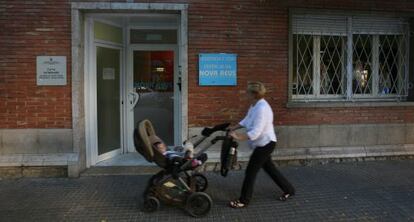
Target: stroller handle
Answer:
pixel 218 138
pixel 208 131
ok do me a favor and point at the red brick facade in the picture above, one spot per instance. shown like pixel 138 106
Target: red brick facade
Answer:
pixel 257 30
pixel 29 29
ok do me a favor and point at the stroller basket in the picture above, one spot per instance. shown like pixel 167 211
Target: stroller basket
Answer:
pixel 228 155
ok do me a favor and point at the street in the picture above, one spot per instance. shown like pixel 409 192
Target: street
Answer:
pixel 357 191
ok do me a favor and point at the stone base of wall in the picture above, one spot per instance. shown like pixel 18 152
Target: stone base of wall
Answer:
pixel 297 145
pixel 39 165
pixel 215 166
pixel 35 141
pixel 346 135
pixel 310 162
pixel 33 171
pixel 241 165
pixel 324 155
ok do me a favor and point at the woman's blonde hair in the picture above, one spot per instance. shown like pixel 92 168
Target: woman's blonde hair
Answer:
pixel 257 89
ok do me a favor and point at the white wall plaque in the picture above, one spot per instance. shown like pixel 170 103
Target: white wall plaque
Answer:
pixel 108 73
pixel 51 70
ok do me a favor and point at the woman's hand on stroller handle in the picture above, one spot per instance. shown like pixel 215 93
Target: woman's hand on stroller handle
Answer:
pixel 234 127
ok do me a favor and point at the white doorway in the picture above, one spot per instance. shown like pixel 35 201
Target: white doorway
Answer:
pixel 131 73
pixel 104 68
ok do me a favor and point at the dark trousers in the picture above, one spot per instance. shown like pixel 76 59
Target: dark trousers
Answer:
pixel 261 158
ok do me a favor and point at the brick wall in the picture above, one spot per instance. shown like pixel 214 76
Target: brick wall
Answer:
pixel 257 30
pixel 29 29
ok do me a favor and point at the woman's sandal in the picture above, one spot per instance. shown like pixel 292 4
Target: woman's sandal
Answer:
pixel 285 197
pixel 237 204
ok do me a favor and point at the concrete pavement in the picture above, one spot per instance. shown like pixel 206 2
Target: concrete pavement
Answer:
pixel 364 191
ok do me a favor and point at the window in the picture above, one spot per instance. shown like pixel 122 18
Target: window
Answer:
pixel 303 65
pixel 332 65
pixel 149 36
pixel 392 64
pixel 362 61
pixel 349 57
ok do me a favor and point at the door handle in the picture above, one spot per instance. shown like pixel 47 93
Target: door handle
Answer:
pixel 179 84
pixel 135 99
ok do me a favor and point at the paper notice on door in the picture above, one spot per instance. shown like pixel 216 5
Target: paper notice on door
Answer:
pixel 108 73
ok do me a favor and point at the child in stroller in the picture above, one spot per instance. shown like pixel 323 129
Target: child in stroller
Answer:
pixel 177 183
pixel 180 155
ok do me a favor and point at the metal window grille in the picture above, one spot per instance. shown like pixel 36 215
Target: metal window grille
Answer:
pixel 332 65
pixel 323 46
pixel 303 65
pixel 392 51
pixel 362 64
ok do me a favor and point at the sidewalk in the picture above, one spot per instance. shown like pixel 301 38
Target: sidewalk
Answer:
pixel 367 191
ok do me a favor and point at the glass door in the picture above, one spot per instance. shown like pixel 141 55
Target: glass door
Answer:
pixel 152 80
pixel 153 73
pixel 108 102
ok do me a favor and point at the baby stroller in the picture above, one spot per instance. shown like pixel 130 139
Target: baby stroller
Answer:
pixel 176 184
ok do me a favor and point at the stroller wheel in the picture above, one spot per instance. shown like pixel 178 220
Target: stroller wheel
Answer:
pixel 198 204
pixel 201 182
pixel 151 204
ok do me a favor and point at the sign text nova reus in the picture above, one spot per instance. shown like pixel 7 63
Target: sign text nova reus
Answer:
pixel 217 69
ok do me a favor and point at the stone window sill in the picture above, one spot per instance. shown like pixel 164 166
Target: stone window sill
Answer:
pixel 314 104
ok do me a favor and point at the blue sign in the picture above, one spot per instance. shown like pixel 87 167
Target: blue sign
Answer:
pixel 217 69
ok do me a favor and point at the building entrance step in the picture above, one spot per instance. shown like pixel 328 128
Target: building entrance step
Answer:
pixel 119 170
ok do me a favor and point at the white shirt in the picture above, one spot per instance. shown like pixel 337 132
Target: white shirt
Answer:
pixel 259 124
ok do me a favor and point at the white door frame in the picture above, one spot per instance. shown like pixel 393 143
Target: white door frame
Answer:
pixel 129 88
pixel 91 123
pixel 81 61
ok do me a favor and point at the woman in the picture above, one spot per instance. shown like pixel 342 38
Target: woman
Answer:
pixel 262 139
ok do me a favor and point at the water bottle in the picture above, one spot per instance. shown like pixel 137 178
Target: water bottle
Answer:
pixel 232 151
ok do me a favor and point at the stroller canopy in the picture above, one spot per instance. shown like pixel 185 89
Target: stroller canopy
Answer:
pixel 144 135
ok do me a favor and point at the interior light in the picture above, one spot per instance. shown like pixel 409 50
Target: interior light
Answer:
pixel 160 69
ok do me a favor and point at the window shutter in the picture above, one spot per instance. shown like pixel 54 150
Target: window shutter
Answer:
pixel 365 24
pixel 314 24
